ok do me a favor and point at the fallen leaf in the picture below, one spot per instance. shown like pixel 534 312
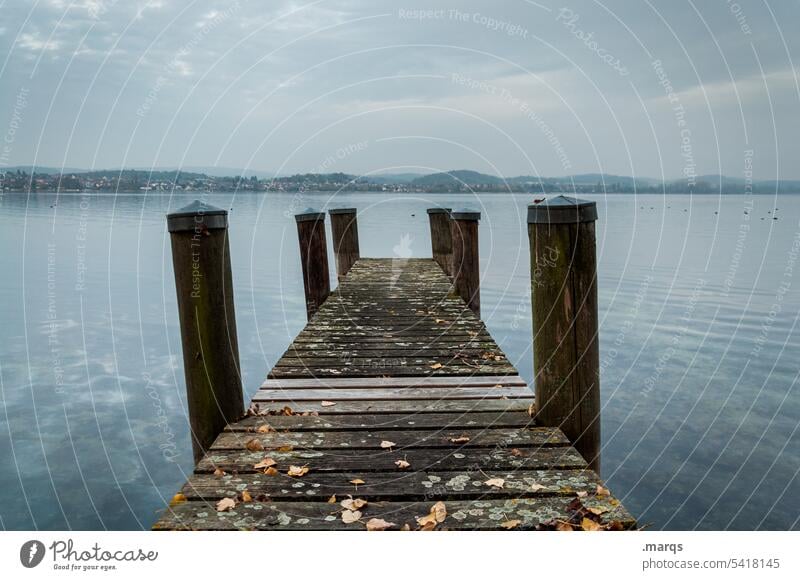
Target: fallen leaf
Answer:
pixel 353 504
pixel 254 445
pixel 284 449
pixel 496 482
pixel 582 494
pixel 602 491
pixel 516 452
pixel 265 429
pixel 332 499
pixel 537 487
pixel 297 471
pixel 287 411
pixel 177 498
pixel 270 471
pixel 225 504
pixel 405 528
pixel 387 444
pixel 436 366
pixel 327 403
pixel 461 439
pixel 218 472
pixel 437 515
pixel 379 525
pixel 264 463
pixel 402 463
pixel 246 497
pixel 564 527
pixel 598 510
pixel 532 409
pixel 349 517
pixel 357 481
pixel 510 524
pixel 590 525
pixel 440 321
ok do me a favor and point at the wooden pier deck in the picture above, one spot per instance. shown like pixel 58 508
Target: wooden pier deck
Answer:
pixel 393 409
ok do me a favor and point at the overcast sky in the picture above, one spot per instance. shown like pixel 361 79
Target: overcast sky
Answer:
pixel 649 88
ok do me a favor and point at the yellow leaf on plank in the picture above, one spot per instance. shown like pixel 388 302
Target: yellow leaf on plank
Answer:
pixel 387 444
pixel 602 491
pixel 582 494
pixel 598 510
pixel 297 471
pixel 265 463
pixel 461 439
pixel 590 525
pixel 496 482
pixel 327 403
pixel 510 524
pixel 270 471
pixel 284 449
pixel 349 517
pixel 379 525
pixel 437 515
pixel 537 487
pixel 225 504
pixel 332 499
pixel 564 527
pixel 265 429
pixel 402 463
pixel 353 504
pixel 177 499
pixel 435 366
pixel 254 445
pixel 246 497
pixel 218 472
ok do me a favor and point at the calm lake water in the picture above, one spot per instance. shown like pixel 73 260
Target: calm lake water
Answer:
pixel 699 300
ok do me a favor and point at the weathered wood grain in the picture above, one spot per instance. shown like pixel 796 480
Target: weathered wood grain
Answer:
pixel 484 514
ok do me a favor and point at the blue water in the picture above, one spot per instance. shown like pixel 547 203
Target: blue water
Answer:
pixel 699 300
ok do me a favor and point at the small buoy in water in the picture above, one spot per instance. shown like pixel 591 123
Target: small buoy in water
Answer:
pixel 539 200
pixel 774 218
pixel 413 215
pixel 716 212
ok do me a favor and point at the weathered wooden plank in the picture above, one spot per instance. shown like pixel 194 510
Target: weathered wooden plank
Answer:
pixel 401 485
pixel 392 394
pixel 365 462
pixel 394 421
pixel 444 438
pixel 483 514
pixel 408 407
pixel 379 370
pixel 375 382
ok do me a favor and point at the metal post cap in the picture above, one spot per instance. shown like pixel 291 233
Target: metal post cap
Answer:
pixel 439 210
pixel 342 210
pixel 465 214
pixel 196 215
pixel 309 214
pixel 562 210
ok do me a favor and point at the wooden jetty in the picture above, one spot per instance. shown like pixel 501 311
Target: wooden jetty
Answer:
pixel 393 408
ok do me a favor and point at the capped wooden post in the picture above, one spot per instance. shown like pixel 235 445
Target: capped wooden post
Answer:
pixel 466 271
pixel 566 356
pixel 441 238
pixel 314 258
pixel 202 264
pixel 344 229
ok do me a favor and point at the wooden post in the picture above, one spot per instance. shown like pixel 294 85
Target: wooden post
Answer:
pixel 465 266
pixel 566 357
pixel 202 264
pixel 344 229
pixel 441 238
pixel 314 258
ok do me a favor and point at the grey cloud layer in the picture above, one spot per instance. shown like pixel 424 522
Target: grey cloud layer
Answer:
pixel 646 88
